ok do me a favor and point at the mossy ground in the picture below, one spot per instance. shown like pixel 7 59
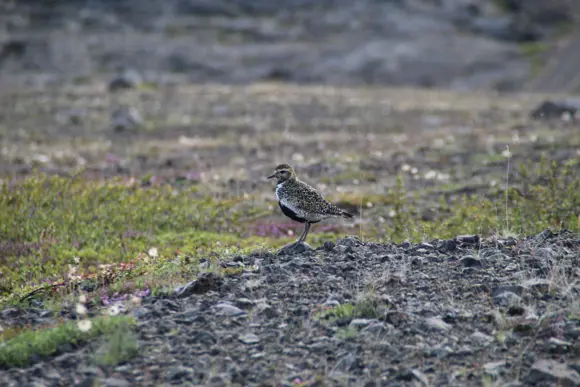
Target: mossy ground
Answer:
pixel 18 348
pixel 84 209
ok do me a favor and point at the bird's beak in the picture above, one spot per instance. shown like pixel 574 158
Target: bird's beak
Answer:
pixel 272 176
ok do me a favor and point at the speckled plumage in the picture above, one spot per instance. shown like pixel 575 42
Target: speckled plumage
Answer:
pixel 301 202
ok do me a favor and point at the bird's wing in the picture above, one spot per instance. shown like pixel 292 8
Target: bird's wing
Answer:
pixel 292 205
pixel 313 202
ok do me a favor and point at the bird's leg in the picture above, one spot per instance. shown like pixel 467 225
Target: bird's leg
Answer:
pixel 301 235
pixel 304 233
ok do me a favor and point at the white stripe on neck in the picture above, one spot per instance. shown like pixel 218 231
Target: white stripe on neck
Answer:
pixel 278 186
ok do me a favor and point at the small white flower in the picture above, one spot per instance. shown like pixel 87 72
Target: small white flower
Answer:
pixel 297 157
pixel 136 300
pixel 81 309
pixel 369 204
pixel 83 299
pixel 506 152
pixel 414 171
pixel 392 213
pixel 290 232
pixel 85 325
pixel 153 253
pixel 77 260
pixel 430 175
pixel 405 167
pixel 41 158
pixel 439 143
pixel 566 117
pixel 114 310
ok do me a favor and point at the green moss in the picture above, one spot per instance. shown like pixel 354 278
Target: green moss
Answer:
pixel 19 350
pixel 366 306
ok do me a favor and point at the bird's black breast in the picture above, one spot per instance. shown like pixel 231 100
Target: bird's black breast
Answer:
pixel 292 215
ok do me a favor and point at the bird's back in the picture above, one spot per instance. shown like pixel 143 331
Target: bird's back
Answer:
pixel 304 199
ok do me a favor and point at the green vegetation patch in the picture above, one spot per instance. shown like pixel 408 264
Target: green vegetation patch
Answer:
pixel 20 349
pixel 118 346
pixel 546 195
pixel 61 229
pixel 366 306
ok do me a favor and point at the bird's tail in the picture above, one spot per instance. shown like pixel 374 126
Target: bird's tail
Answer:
pixel 346 214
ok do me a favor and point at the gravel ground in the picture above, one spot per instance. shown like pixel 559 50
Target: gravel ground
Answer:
pixel 446 312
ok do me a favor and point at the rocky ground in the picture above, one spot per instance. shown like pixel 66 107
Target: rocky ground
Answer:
pixel 446 312
pixel 462 44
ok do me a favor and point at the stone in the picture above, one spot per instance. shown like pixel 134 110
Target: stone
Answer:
pixel 471 261
pixel 203 284
pixel 329 245
pixel 467 239
pixel 507 296
pixel 516 289
pixel 559 345
pixel 551 371
pixel 189 317
pixel 114 382
pixel 249 338
pixel 360 322
pixel 202 337
pixel 229 309
pixel 494 368
pixel 396 318
pixel 408 375
pixel 556 109
pixel 349 241
pixel 128 79
pixel 126 118
pixel 507 299
pixel 295 248
pixel 377 328
pixel 217 381
pixel 448 245
pixel 141 313
pixel 179 373
pixel 345 364
pixel 481 338
pixel 438 324
pixel 11 312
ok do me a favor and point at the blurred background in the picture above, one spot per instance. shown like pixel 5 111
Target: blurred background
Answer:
pixel 506 45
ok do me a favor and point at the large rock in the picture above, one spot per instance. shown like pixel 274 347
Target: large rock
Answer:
pixel 553 372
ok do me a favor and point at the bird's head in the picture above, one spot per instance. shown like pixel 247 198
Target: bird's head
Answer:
pixel 282 173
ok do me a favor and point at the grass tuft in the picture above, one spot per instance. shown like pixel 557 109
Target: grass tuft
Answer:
pixel 26 345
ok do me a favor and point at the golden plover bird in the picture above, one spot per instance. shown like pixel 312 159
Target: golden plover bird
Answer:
pixel 301 202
